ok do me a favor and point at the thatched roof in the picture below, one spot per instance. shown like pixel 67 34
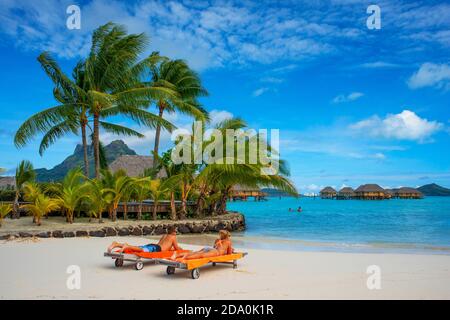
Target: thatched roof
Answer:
pixel 241 187
pixel 347 190
pixel 6 182
pixel 134 166
pixel 328 190
pixel 405 190
pixel 370 188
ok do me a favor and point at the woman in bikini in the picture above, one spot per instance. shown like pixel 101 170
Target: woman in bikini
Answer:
pixel 222 246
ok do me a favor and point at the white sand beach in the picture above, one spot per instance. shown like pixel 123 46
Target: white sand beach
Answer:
pixel 37 270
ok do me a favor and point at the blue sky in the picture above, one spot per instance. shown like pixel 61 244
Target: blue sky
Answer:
pixel 353 105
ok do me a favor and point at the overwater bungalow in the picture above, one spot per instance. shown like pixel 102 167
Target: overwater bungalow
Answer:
pixel 241 192
pixel 371 192
pixel 407 193
pixel 346 193
pixel 328 193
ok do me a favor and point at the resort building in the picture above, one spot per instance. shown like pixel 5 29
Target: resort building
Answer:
pixel 134 166
pixel 371 192
pixel 7 182
pixel 346 193
pixel 241 192
pixel 407 193
pixel 328 193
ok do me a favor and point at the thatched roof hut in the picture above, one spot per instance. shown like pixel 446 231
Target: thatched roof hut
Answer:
pixel 7 182
pixel 134 166
pixel 328 193
pixel 346 193
pixel 408 193
pixel 371 192
pixel 240 191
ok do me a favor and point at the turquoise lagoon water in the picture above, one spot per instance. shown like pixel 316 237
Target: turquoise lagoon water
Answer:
pixel 397 225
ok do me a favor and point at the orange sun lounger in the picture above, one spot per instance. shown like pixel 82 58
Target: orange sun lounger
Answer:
pixel 138 257
pixel 195 264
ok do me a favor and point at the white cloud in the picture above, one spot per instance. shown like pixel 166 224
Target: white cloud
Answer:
pixel 378 64
pixel 431 75
pixel 347 98
pixel 207 34
pixel 218 116
pixel 403 126
pixel 260 91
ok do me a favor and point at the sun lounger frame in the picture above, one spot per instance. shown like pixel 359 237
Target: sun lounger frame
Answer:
pixel 120 257
pixel 195 264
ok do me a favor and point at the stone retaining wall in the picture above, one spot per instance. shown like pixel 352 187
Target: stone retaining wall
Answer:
pixel 230 222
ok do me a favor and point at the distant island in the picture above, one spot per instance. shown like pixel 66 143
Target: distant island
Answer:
pixel 112 151
pixel 433 189
pixel 275 193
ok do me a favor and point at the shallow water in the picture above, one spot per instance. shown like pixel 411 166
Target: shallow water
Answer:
pixel 388 225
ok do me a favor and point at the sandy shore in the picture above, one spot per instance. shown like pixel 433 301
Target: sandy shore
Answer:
pixel 37 270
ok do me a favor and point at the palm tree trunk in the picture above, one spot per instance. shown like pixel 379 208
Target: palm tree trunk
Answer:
pixel 114 213
pixel 223 202
pixel 155 207
pixel 173 209
pixel 125 211
pixel 16 213
pixel 158 134
pixel 139 214
pixel 199 205
pixel 85 148
pixel 96 143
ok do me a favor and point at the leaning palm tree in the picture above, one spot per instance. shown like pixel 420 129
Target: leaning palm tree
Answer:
pixel 24 173
pixel 5 209
pixel 176 75
pixel 41 206
pixel 69 116
pixel 113 74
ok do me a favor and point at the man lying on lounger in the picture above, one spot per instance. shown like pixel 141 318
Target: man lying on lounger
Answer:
pixel 221 247
pixel 166 243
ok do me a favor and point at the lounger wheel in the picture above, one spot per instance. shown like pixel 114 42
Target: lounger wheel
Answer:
pixel 195 273
pixel 118 263
pixel 139 265
pixel 213 264
pixel 234 264
pixel 170 270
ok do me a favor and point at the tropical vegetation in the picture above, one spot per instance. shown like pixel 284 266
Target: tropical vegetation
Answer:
pixel 117 79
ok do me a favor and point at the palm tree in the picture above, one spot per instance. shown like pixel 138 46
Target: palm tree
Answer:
pixel 141 192
pixel 113 74
pixel 165 163
pixel 72 192
pixel 41 206
pixel 176 75
pixel 120 188
pixel 98 198
pixel 70 116
pixel 5 209
pixel 158 190
pixel 24 173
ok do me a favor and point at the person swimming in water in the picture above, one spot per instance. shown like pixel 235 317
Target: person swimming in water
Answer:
pixel 221 246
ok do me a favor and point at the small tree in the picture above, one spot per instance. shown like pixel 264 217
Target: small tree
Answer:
pixel 24 173
pixel 5 209
pixel 42 206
